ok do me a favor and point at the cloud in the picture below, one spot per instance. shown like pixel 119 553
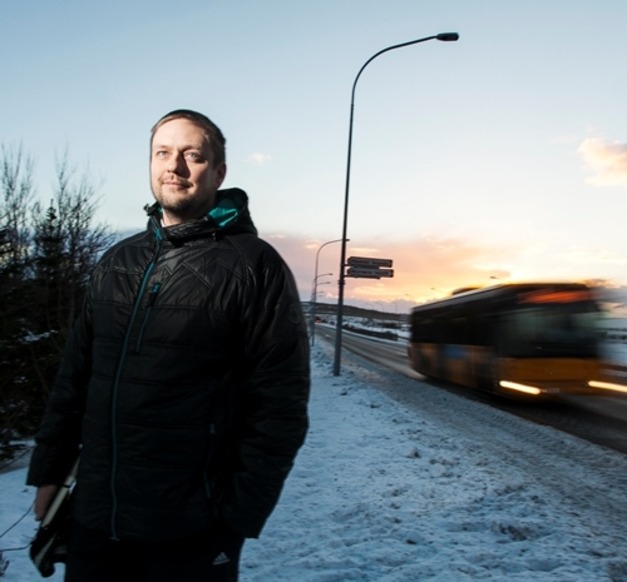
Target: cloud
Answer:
pixel 431 266
pixel 423 268
pixel 607 160
pixel 258 159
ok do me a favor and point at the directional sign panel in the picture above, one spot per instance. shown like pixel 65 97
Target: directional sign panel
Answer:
pixel 369 262
pixel 365 273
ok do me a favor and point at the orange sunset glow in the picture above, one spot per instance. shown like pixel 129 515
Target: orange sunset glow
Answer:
pixel 425 269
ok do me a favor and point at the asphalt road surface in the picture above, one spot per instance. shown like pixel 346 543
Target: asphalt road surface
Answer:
pixel 601 420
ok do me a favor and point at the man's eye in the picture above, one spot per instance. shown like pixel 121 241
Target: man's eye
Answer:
pixel 194 156
pixel 161 154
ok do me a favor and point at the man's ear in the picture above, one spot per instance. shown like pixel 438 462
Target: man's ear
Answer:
pixel 221 173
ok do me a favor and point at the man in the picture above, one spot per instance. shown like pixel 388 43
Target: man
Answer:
pixel 183 385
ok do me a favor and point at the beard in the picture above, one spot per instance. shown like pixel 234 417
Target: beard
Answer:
pixel 180 206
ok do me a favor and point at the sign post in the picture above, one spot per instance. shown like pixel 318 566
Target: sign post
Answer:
pixel 369 268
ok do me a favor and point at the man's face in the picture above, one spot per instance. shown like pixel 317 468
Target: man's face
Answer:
pixel 182 175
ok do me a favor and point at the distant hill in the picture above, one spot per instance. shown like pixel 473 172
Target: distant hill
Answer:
pixel 330 310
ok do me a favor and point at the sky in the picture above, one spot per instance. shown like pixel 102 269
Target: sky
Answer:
pixel 450 491
pixel 499 157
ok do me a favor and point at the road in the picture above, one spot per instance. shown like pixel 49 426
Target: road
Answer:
pixel 600 420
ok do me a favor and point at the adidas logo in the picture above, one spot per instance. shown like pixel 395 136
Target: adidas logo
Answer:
pixel 221 559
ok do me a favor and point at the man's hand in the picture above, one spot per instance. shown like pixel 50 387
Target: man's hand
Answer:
pixel 45 495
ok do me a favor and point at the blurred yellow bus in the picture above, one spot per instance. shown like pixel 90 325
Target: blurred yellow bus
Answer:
pixel 537 339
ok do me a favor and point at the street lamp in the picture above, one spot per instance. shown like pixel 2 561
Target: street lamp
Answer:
pixel 444 36
pixel 314 292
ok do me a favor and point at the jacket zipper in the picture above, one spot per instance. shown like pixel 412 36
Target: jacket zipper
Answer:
pixel 208 488
pixel 151 301
pixel 116 382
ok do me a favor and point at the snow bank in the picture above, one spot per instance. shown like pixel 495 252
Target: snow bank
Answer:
pixel 455 491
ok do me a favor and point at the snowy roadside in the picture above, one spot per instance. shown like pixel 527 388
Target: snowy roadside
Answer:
pixel 450 492
pixel 387 494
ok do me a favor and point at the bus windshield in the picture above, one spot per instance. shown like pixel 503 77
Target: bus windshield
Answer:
pixel 564 330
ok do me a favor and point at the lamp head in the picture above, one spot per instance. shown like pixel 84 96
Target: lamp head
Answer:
pixel 447 36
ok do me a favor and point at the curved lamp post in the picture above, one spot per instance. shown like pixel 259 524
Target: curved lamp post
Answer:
pixel 444 36
pixel 314 298
pixel 314 292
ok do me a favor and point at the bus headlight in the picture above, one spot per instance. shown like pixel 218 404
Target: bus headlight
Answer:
pixel 520 387
pixel 607 386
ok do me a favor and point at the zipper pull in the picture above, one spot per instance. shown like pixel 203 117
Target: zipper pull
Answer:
pixel 152 296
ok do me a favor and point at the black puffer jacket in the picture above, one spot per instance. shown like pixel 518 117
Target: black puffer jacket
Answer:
pixel 185 382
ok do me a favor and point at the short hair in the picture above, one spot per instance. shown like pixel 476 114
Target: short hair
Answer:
pixel 217 141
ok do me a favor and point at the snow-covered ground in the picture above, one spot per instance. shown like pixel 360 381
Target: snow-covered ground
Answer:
pixel 452 492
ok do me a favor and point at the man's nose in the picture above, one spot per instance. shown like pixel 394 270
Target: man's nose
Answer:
pixel 175 163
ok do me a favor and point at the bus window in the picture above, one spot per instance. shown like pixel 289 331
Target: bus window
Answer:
pixel 539 332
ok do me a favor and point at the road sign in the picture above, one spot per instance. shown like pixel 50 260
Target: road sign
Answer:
pixel 369 262
pixel 372 273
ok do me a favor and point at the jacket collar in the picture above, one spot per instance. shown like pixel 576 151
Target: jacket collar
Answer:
pixel 229 215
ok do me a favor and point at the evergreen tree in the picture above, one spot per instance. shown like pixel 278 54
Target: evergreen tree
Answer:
pixel 45 267
pixel 16 183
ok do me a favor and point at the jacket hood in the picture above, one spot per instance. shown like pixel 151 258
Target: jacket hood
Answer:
pixel 229 215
